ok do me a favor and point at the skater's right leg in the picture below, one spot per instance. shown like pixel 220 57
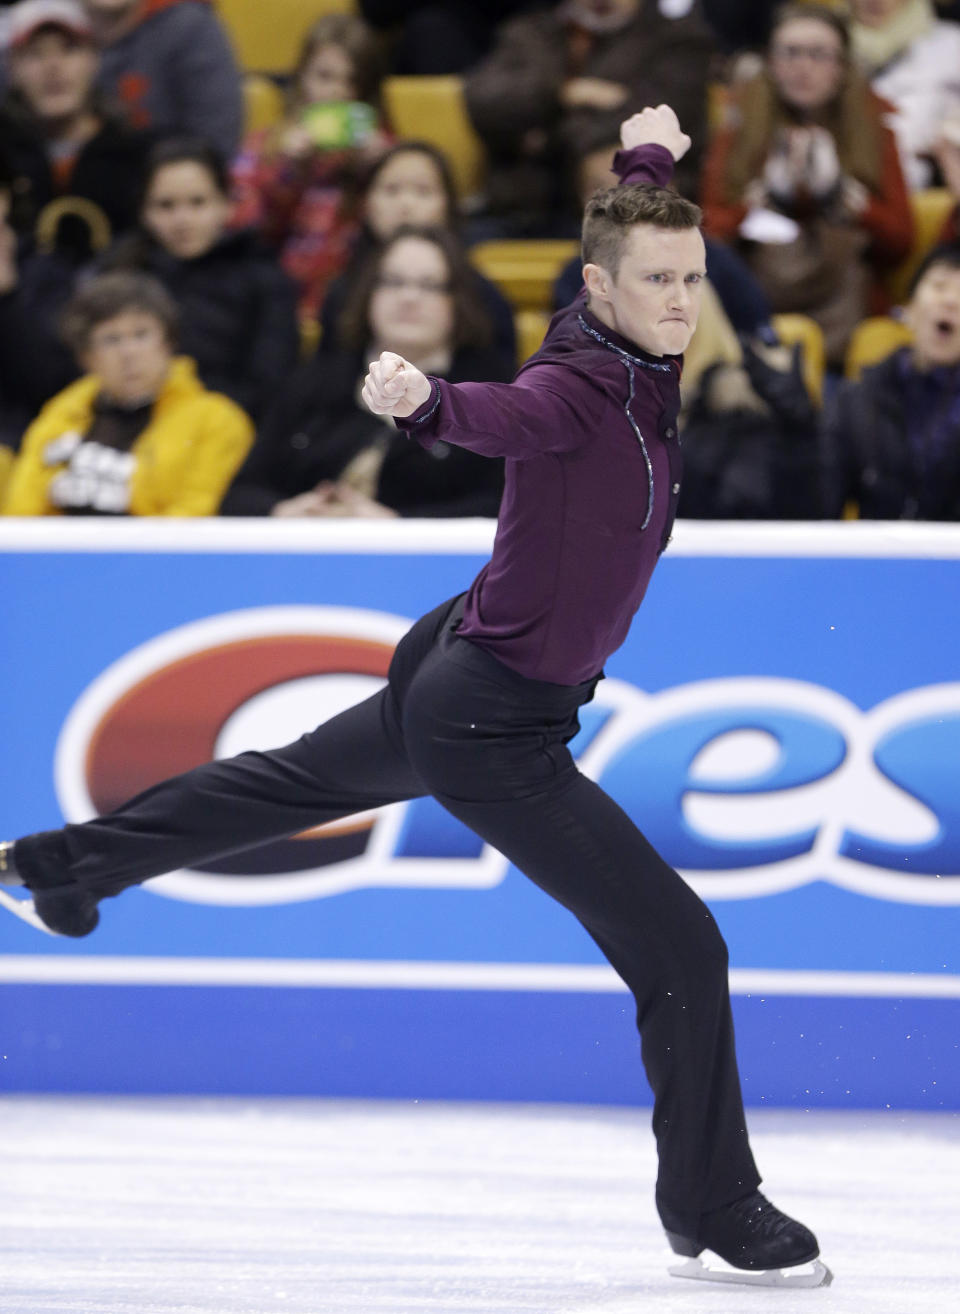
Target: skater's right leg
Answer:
pixel 352 762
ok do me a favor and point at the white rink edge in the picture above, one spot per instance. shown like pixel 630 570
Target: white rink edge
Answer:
pixel 359 974
pixel 467 536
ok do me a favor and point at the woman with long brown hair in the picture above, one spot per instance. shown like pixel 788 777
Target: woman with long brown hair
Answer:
pixel 320 453
pixel 806 176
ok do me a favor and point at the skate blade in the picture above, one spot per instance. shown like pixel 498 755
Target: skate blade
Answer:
pixel 814 1274
pixel 24 909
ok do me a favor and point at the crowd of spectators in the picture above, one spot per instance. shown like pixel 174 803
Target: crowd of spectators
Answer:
pixel 187 304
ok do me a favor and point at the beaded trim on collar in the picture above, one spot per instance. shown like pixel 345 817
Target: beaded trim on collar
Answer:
pixel 612 346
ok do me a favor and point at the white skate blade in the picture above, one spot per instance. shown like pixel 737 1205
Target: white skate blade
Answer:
pixel 24 909
pixel 814 1274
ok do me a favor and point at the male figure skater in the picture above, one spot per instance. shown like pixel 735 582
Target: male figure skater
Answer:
pixel 483 693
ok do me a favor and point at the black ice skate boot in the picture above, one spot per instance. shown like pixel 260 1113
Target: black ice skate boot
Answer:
pixel 59 906
pixel 754 1235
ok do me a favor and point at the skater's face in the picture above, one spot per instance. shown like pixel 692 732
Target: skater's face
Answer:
pixel 407 190
pixel 934 316
pixel 131 355
pixel 411 310
pixel 185 209
pixel 654 299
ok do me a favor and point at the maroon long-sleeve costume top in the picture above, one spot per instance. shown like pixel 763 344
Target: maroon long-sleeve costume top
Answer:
pixel 589 432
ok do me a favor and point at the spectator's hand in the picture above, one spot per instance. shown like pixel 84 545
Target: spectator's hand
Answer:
pixel 776 375
pixel 394 387
pixel 351 502
pixel 655 127
pixel 592 93
pixel 304 504
pixel 296 142
pixel 856 198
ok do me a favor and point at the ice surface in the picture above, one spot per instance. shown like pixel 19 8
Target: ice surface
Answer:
pixel 149 1206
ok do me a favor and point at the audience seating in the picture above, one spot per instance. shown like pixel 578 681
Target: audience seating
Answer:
pixel 266 34
pixel 525 270
pixel 800 328
pixel 432 109
pixel 6 465
pixel 262 102
pixel 873 340
pixel 931 209
pixel 531 327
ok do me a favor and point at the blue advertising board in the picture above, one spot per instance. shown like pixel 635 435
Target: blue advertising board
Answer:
pixel 783 722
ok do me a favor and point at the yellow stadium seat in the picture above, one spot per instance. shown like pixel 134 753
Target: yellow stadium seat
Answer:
pixel 525 271
pixel 800 328
pixel 6 465
pixel 874 340
pixel 432 109
pixel 930 211
pixel 309 337
pixel 266 34
pixel 263 102
pixel 531 327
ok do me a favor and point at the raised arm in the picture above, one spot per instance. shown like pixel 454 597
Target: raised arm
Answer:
pixel 533 414
pixel 651 143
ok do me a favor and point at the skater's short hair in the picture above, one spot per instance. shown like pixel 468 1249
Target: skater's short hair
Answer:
pixel 610 216
pixel 113 294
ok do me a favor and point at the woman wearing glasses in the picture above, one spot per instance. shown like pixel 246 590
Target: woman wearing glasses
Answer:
pixel 806 178
pixel 319 452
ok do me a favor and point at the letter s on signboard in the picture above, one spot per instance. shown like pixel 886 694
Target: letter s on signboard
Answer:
pixel 922 758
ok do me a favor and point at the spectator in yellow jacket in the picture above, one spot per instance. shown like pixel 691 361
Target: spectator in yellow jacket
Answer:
pixel 138 434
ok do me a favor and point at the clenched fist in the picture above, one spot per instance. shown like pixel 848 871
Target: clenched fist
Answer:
pixel 394 387
pixel 655 127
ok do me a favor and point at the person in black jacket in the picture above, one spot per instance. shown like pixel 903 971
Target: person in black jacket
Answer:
pixel 238 317
pixel 34 288
pixel 319 452
pixel 410 184
pixel 76 166
pixel 891 441
pixel 750 440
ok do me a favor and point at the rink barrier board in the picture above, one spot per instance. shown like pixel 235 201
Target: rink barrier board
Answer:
pixel 474 986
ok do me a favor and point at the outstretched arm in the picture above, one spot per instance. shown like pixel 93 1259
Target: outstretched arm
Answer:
pixel 532 415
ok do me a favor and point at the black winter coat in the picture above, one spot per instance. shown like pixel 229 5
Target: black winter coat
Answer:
pixel 748 461
pixel 108 172
pixel 868 457
pixel 34 363
pixel 238 313
pixel 317 427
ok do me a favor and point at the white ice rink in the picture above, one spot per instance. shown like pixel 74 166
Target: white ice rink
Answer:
pixel 273 1207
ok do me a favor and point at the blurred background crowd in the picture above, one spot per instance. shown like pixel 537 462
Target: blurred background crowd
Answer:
pixel 212 216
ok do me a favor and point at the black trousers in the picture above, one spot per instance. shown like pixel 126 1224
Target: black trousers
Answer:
pixel 491 746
